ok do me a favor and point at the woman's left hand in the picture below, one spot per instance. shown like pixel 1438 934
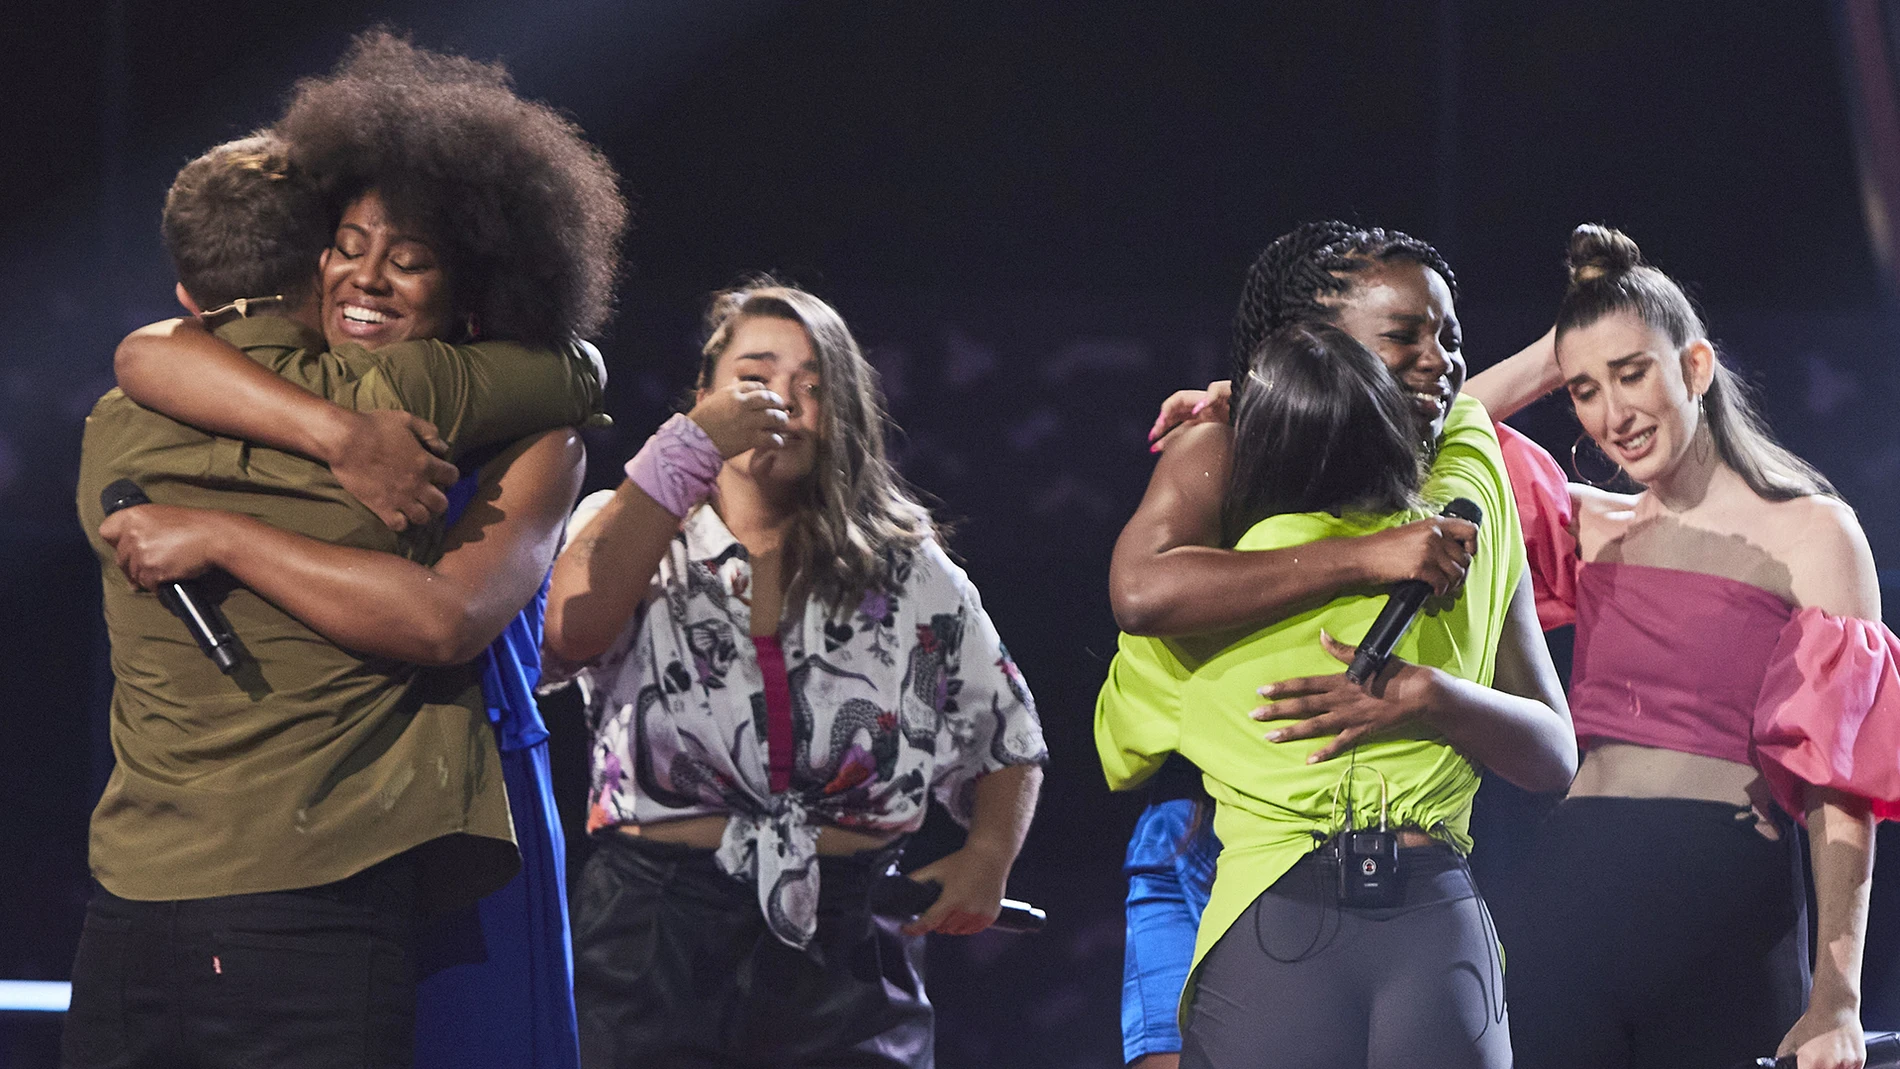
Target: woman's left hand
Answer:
pixel 1825 1039
pixel 163 543
pixel 1335 705
pixel 972 880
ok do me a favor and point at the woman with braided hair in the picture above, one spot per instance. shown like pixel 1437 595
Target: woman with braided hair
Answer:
pixel 1731 671
pixel 1165 554
pixel 1393 294
pixel 1279 581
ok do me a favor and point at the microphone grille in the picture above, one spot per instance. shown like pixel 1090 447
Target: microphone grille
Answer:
pixel 1465 509
pixel 122 494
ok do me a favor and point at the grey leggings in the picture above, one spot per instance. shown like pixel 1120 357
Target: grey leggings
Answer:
pixel 1300 982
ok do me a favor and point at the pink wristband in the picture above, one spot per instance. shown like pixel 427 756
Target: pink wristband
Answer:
pixel 677 466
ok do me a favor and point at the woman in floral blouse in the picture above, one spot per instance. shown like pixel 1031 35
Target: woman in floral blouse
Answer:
pixel 784 666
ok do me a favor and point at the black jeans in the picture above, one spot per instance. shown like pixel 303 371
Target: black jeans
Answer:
pixel 674 966
pixel 322 978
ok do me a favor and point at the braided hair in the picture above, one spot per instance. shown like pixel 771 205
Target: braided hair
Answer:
pixel 1297 277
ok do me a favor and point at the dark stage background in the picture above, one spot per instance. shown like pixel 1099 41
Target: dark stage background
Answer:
pixel 1036 216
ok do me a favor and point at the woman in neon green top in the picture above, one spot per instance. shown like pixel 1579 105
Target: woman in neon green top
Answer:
pixel 1323 444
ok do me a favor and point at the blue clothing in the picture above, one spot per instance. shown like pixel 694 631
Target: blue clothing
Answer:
pixel 1169 875
pixel 497 978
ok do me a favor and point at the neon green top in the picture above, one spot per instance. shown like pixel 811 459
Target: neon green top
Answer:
pixel 1270 803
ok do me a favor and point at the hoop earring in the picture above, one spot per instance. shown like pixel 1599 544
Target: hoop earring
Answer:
pixel 1577 467
pixel 1704 431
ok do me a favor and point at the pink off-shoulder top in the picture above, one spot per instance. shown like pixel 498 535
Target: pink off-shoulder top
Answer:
pixel 1708 665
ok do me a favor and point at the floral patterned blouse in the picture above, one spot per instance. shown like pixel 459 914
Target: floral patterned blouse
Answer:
pixel 908 695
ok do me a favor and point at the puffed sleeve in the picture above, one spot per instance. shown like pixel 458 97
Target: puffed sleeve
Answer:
pixel 989 718
pixel 1829 712
pixel 1547 514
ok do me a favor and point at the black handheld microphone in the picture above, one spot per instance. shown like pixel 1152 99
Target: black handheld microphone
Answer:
pixel 1400 608
pixel 200 615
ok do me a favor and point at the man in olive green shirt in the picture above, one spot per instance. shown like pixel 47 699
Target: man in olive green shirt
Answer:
pixel 311 761
pixel 312 778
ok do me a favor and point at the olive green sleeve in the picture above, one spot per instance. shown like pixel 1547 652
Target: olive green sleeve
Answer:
pixel 481 394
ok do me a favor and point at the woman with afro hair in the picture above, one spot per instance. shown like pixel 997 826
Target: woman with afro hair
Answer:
pixel 465 214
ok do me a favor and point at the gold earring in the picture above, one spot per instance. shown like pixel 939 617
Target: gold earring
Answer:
pixel 1577 467
pixel 1704 432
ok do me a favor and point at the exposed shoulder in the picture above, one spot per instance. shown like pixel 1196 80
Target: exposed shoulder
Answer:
pixel 1831 565
pixel 1599 515
pixel 1601 504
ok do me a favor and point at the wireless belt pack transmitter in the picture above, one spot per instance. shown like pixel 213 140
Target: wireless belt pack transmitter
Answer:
pixel 1367 860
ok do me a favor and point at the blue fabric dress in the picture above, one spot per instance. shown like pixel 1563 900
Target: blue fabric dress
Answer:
pixel 497 979
pixel 1169 875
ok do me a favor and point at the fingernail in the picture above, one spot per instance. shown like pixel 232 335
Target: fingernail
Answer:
pixel 1312 759
pixel 1266 691
pixel 1155 448
pixel 1196 410
pixel 1275 735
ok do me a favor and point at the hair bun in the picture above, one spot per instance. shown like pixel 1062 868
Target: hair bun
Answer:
pixel 1597 250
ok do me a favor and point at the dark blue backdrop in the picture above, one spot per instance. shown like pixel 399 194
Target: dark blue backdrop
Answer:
pixel 1036 217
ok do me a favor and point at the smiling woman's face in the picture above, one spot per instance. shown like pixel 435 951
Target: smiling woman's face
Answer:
pixel 381 283
pixel 1403 312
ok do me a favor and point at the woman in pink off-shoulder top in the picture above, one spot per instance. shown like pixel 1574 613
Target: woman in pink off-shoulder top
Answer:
pixel 1730 670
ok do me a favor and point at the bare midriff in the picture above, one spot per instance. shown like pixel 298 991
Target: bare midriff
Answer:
pixel 706 832
pixel 1627 770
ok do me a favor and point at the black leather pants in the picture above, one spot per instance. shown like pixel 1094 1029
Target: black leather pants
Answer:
pixel 674 966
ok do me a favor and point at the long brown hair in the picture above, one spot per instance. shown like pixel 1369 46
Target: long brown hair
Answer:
pixel 856 514
pixel 1607 277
